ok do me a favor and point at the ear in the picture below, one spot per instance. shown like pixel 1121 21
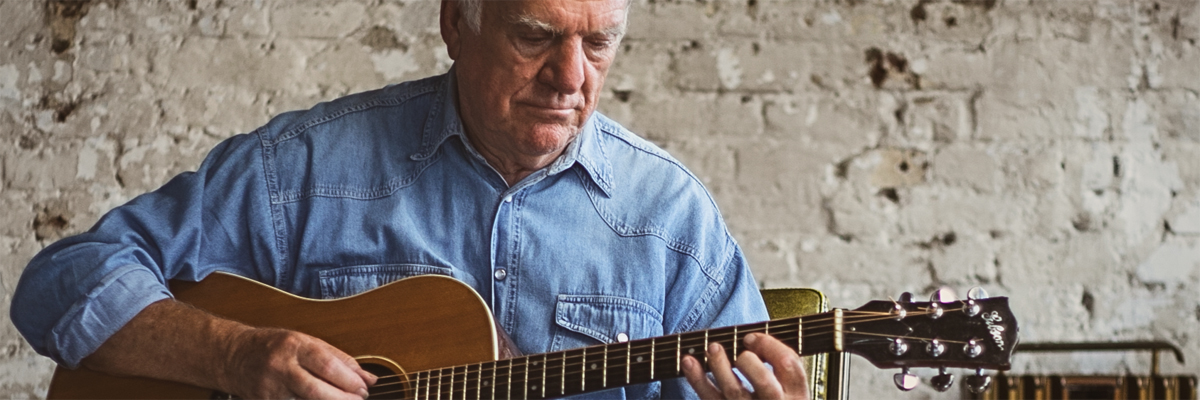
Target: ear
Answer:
pixel 450 19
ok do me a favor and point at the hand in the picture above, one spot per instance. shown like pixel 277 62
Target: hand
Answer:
pixel 788 381
pixel 282 364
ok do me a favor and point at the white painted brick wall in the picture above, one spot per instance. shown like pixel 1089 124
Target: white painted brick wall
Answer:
pixel 1045 150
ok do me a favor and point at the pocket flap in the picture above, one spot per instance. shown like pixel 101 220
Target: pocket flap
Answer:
pixel 605 318
pixel 349 281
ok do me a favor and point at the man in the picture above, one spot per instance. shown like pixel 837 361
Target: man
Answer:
pixel 499 174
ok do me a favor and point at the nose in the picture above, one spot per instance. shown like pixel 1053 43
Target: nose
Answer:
pixel 565 67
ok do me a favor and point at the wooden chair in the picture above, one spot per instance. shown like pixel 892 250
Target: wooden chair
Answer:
pixel 827 373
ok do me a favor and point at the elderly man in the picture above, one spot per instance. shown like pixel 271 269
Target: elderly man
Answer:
pixel 499 174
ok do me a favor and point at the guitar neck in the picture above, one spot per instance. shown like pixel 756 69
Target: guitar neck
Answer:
pixel 615 365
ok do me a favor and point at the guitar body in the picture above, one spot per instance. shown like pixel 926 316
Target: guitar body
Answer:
pixel 414 324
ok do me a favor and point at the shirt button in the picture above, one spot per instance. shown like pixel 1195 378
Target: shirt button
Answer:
pixel 500 274
pixel 622 337
pixel 508 199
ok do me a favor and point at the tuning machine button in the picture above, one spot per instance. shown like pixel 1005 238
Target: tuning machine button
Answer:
pixel 905 381
pixel 942 381
pixel 898 347
pixel 979 382
pixel 935 348
pixel 943 295
pixel 973 348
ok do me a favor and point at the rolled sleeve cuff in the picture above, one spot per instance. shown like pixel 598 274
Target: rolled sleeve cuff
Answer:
pixel 120 296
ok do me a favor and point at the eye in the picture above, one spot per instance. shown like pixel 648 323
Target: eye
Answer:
pixel 536 38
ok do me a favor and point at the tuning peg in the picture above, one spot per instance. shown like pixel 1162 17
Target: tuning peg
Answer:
pixel 905 381
pixel 905 297
pixel 977 293
pixel 943 295
pixel 942 381
pixel 979 382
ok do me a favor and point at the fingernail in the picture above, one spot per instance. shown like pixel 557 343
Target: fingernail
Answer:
pixel 363 393
pixel 687 362
pixel 714 348
pixel 750 339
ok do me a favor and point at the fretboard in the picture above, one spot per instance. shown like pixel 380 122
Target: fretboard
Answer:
pixel 614 365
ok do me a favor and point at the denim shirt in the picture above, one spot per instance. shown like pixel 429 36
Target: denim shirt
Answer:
pixel 614 237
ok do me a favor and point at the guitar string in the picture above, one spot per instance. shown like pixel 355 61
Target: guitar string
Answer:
pixel 454 374
pixel 451 389
pixel 866 316
pixel 814 330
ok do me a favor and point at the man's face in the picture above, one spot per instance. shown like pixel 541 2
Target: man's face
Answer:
pixel 532 76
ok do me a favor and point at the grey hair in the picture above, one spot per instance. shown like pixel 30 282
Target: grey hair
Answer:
pixel 472 10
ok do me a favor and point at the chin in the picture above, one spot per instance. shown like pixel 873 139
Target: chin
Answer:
pixel 550 139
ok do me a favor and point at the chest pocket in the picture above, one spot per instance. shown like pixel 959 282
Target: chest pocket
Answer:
pixel 585 320
pixel 349 281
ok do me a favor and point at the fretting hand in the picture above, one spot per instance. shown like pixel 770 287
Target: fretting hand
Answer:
pixel 787 380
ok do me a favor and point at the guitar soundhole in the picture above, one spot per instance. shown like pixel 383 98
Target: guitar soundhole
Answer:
pixel 389 385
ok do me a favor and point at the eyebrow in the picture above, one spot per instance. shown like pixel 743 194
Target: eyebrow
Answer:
pixel 531 22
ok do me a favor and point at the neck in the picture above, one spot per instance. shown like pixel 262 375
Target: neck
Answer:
pixel 613 365
pixel 512 168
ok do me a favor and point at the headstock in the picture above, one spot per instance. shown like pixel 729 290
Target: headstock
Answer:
pixel 978 333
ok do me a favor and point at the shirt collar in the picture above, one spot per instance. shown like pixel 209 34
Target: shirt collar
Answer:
pixel 586 150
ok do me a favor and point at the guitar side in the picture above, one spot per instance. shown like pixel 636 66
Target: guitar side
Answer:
pixel 420 323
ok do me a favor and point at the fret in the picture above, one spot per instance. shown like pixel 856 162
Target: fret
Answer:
pixel 492 382
pixel 604 380
pixel 545 367
pixel 439 385
pixel 509 389
pixel 563 387
pixel 678 340
pixel 705 351
pixel 799 335
pixel 479 381
pixel 653 355
pixel 450 394
pixel 735 342
pixel 417 385
pixel 628 358
pixel 474 381
pixel 583 376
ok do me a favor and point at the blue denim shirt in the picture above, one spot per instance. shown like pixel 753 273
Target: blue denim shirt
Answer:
pixel 613 237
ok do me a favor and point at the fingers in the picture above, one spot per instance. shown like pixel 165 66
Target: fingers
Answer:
pixel 276 363
pixel 698 379
pixel 334 367
pixel 788 377
pixel 728 383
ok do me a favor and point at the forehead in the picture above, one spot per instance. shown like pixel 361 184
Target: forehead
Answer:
pixel 580 16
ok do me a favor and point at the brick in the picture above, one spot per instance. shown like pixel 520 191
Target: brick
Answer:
pixel 697 114
pixel 967 166
pixel 840 126
pixel 317 20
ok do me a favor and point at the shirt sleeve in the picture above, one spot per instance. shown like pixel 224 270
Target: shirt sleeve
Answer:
pixel 80 290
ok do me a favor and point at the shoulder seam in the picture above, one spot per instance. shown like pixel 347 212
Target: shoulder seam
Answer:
pixel 388 101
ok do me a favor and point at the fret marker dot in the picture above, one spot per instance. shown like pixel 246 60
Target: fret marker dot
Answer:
pixel 535 363
pixel 692 351
pixel 534 387
pixel 485 383
pixel 639 359
pixel 593 366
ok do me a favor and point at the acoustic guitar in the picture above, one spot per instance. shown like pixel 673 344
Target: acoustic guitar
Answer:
pixel 432 337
